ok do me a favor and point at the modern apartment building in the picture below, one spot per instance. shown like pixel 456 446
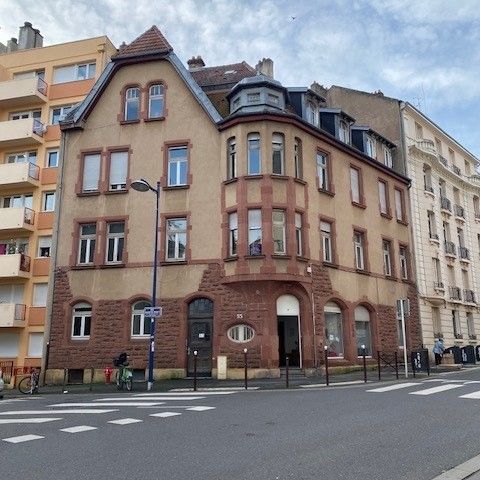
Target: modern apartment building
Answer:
pixel 38 85
pixel 445 199
pixel 279 230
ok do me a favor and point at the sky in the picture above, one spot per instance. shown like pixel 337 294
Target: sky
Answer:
pixel 422 51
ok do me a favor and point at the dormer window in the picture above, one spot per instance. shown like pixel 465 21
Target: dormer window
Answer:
pixel 387 157
pixel 253 97
pixel 312 115
pixel 370 149
pixel 344 132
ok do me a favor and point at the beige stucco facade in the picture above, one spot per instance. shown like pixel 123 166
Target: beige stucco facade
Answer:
pixel 448 276
pixel 27 85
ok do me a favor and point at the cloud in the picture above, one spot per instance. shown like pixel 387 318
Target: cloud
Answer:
pixel 406 48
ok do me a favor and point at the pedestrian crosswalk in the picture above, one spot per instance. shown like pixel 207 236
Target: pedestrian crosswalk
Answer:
pixel 428 388
pixel 101 412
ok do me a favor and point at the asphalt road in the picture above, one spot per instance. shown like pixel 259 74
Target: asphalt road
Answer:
pixel 329 433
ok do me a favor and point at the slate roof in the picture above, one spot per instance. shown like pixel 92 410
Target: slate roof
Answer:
pixel 148 43
pixel 223 74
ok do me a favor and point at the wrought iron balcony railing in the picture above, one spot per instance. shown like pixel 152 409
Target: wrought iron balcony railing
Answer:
pixel 445 204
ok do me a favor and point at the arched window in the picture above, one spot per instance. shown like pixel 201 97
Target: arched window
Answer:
pixel 333 330
pixel 278 166
pixel 427 178
pixel 81 320
pixel 156 101
pixel 363 331
pixel 132 104
pixel 140 324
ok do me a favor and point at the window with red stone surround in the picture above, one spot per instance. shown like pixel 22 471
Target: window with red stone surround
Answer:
pixel 324 174
pixel 167 148
pixel 366 263
pixel 147 117
pixel 123 100
pixel 79 185
pixel 404 246
pixel 384 203
pixel 388 242
pixel 356 186
pixel 332 235
pixel 164 242
pixel 400 212
pixel 106 186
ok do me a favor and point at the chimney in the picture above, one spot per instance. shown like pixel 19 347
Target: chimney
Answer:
pixel 3 48
pixel 195 63
pixel 38 38
pixel 265 67
pixel 26 37
pixel 12 45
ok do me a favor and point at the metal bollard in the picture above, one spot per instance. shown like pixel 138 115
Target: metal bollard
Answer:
pixel 195 370
pixel 412 357
pixel 327 379
pixel 287 378
pixel 246 367
pixel 428 365
pixel 396 364
pixel 364 364
pixel 65 375
pixel 92 371
pixel 379 367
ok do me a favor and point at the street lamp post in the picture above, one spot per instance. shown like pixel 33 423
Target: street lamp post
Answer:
pixel 143 186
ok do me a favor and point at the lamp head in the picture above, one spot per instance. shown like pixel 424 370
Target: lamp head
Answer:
pixel 141 185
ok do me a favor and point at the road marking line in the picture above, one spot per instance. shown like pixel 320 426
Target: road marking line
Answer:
pixel 4 421
pixel 474 395
pixel 187 393
pixel 397 386
pixel 219 390
pixel 78 429
pixel 431 391
pixel 165 414
pixel 200 409
pixel 149 398
pixel 109 404
pixel 56 412
pixel 22 438
pixel 314 385
pixel 125 421
pixel 175 406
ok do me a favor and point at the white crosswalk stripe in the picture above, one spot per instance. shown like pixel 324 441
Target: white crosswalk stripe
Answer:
pixel 473 395
pixel 23 438
pixel 165 414
pixel 109 404
pixel 125 421
pixel 149 399
pixel 397 386
pixel 90 411
pixel 432 391
pixel 6 421
pixel 185 393
pixel 78 429
pixel 200 409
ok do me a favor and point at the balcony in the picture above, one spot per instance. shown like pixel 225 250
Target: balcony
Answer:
pixel 25 91
pixel 459 211
pixel 426 146
pixel 455 293
pixel 429 189
pixel 438 286
pixel 18 175
pixel 443 161
pixel 18 220
pixel 23 132
pixel 477 215
pixel 12 315
pixel 464 253
pixel 456 170
pixel 446 204
pixel 469 296
pixel 450 249
pixel 16 265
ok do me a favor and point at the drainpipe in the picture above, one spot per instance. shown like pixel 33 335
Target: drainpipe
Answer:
pixel 315 360
pixel 53 260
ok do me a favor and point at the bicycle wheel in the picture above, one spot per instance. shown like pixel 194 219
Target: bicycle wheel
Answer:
pixel 129 384
pixel 25 385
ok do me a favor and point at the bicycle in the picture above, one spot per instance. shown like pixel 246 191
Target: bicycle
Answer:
pixel 124 378
pixel 29 384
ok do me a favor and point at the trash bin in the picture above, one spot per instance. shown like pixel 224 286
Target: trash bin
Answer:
pixel 420 360
pixel 468 354
pixel 456 352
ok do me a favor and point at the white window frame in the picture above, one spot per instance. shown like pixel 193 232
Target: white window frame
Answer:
pixel 344 132
pixel 278 148
pixel 298 155
pixel 387 258
pixel 116 237
pixel 383 196
pixel 233 234
pixel 327 248
pixel 47 157
pixel 90 71
pixel 44 242
pixel 177 164
pixel 232 158
pixel 355 185
pixel 45 201
pixel 22 157
pixel 254 227
pixel 121 183
pixel 370 147
pixel 143 320
pixel 89 238
pixel 82 316
pixel 177 234
pixel 387 157
pixel 253 145
pixel 298 233
pixel 399 205
pixel 131 98
pixel 359 245
pixel 322 171
pixel 93 162
pixel 279 225
pixel 39 295
pixel 64 109
pixel 160 96
pixel 403 254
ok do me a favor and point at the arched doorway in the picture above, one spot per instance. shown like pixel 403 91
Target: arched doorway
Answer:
pixel 200 323
pixel 288 322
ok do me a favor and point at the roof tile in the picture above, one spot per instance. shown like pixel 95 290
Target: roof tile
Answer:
pixel 150 42
pixel 223 74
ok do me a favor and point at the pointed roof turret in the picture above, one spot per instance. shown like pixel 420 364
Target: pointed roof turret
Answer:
pixel 150 42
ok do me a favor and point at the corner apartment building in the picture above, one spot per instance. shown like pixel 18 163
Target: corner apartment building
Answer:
pixel 277 233
pixel 38 85
pixel 445 198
